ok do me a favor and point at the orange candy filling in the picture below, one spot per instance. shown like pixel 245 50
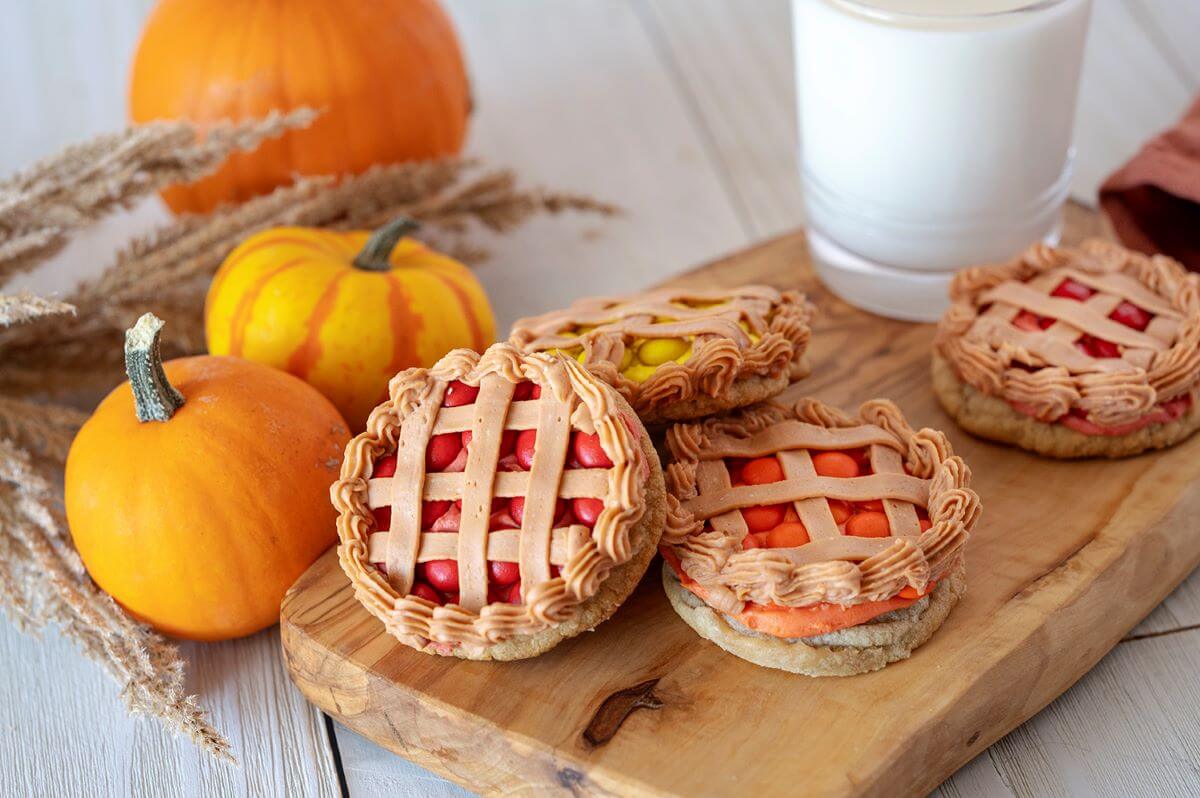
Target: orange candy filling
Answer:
pixel 779 526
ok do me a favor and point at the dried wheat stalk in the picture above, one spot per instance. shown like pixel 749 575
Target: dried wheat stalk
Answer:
pixel 41 206
pixel 45 430
pixel 169 270
pixel 42 580
pixel 24 306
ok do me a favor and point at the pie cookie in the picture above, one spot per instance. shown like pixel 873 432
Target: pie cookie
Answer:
pixel 1081 352
pixel 805 539
pixel 679 354
pixel 498 504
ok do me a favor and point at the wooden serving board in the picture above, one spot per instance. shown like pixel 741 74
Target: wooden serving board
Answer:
pixel 1067 558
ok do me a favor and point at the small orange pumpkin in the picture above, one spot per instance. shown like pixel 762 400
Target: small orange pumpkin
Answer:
pixel 387 75
pixel 344 311
pixel 198 491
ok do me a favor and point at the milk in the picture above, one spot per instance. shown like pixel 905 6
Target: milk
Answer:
pixel 934 134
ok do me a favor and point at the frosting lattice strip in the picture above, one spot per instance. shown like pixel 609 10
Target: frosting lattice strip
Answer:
pixel 854 489
pixel 901 515
pixel 1078 314
pixel 491 408
pixel 545 474
pixel 1122 285
pixel 405 534
pixel 795 435
pixel 503 545
pixel 521 415
pixel 578 483
pixel 814 513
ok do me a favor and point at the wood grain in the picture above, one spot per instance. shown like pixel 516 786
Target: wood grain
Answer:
pixel 65 732
pixel 1050 592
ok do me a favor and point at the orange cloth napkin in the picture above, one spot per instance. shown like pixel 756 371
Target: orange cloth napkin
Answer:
pixel 1153 201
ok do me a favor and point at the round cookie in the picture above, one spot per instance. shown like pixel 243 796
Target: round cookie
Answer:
pixel 809 540
pixel 1088 352
pixel 992 418
pixel 676 354
pixel 873 645
pixel 498 504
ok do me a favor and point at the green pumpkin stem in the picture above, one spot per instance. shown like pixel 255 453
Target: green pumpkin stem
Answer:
pixel 374 256
pixel 154 398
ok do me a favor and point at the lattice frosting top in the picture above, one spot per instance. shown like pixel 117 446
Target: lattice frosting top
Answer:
pixel 506 467
pixel 1100 330
pixel 877 507
pixel 669 345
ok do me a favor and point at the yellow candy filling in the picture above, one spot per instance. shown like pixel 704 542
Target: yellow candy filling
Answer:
pixel 746 329
pixel 656 351
pixel 643 356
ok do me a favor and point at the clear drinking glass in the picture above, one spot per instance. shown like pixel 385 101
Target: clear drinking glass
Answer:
pixel 934 134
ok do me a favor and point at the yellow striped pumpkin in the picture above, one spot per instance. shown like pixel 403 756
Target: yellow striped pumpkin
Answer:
pixel 344 311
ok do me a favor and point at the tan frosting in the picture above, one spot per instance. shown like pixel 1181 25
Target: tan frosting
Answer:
pixel 571 398
pixel 722 352
pixel 705 530
pixel 1043 369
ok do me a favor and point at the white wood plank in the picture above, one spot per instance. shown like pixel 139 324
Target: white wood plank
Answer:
pixel 64 65
pixel 1173 26
pixel 570 93
pixel 374 772
pixel 1127 728
pixel 733 63
pixel 736 63
pixel 1129 91
pixel 1180 610
pixel 976 779
pixel 64 730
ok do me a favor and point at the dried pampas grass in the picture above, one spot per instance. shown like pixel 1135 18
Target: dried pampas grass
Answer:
pixel 43 583
pixel 69 347
pixel 41 206
pixel 169 270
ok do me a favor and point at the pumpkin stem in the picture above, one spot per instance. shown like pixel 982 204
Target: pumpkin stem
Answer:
pixel 374 256
pixel 154 398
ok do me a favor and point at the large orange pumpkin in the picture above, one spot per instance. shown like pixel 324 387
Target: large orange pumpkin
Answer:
pixel 387 75
pixel 199 490
pixel 344 311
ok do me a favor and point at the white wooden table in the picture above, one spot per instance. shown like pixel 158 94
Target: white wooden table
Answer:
pixel 682 112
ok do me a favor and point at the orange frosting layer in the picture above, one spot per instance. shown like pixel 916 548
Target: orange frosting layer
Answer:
pixel 790 622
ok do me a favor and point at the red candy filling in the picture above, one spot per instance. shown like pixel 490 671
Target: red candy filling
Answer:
pixel 437 580
pixel 1125 313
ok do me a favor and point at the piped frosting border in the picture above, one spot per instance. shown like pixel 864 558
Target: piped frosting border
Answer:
pixel 415 620
pixel 842 570
pixel 1047 375
pixel 723 352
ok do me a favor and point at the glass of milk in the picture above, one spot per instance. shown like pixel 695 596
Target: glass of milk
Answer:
pixel 934 134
